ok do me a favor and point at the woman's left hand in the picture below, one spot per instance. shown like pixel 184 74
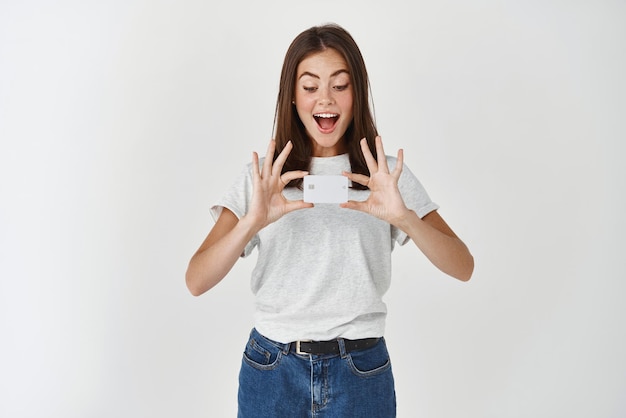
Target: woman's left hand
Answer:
pixel 385 201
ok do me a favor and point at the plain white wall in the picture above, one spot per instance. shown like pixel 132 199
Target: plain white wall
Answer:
pixel 122 121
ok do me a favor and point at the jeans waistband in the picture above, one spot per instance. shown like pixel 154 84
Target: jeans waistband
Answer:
pixel 333 346
pixel 336 346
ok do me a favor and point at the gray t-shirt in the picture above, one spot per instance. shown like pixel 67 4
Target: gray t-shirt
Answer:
pixel 321 272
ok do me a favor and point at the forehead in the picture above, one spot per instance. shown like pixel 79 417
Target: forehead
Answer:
pixel 323 63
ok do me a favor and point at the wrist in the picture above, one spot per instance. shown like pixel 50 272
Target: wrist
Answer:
pixel 403 219
pixel 251 224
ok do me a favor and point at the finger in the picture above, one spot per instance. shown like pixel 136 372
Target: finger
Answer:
pixel 297 204
pixel 255 165
pixel 269 156
pixel 397 170
pixel 292 175
pixel 369 158
pixel 354 205
pixel 282 157
pixel 357 178
pixel 380 153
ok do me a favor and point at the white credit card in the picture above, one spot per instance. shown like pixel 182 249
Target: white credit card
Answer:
pixel 325 189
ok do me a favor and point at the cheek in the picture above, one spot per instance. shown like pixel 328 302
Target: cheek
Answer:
pixel 305 102
pixel 346 105
pixel 346 102
pixel 302 113
pixel 304 107
pixel 299 101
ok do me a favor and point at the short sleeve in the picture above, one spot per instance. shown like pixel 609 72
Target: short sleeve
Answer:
pixel 237 199
pixel 415 198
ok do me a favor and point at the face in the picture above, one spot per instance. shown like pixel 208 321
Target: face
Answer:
pixel 323 98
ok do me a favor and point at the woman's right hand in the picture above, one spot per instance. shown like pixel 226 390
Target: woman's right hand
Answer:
pixel 229 236
pixel 268 203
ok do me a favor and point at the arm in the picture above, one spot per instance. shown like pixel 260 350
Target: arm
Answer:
pixel 219 252
pixel 439 243
pixel 431 234
pixel 229 236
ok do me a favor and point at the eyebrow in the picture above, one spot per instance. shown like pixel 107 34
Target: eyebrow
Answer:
pixel 336 73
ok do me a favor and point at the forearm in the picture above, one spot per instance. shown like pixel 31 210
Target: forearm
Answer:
pixel 444 249
pixel 212 262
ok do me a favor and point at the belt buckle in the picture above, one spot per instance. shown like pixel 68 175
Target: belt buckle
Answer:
pixel 298 351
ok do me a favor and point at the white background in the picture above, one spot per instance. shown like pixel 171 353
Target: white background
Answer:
pixel 121 122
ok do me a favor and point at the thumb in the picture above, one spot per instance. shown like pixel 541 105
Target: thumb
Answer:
pixel 354 205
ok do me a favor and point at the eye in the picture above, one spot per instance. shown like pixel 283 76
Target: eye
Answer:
pixel 341 87
pixel 309 89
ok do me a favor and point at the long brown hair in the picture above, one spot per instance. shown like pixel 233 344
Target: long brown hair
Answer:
pixel 287 124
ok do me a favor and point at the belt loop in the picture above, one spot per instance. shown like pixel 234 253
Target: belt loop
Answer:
pixel 342 347
pixel 286 348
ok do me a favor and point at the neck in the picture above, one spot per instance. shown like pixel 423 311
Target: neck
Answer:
pixel 332 151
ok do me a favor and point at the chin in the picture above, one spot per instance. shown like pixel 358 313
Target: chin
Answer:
pixel 326 140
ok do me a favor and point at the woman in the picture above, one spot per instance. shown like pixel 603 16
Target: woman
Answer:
pixel 317 348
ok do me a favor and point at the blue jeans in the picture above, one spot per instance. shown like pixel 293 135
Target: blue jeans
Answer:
pixel 275 382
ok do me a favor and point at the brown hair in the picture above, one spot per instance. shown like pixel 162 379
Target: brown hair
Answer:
pixel 287 124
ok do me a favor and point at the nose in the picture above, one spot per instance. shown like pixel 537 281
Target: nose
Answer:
pixel 326 97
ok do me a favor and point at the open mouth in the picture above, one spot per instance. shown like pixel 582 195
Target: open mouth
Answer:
pixel 326 121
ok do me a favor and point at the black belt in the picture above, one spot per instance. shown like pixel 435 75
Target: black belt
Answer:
pixel 332 347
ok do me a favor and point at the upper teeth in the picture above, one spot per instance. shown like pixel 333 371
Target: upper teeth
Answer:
pixel 326 115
